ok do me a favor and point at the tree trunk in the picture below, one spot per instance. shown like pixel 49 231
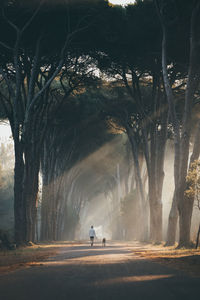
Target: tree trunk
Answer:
pixel 172 224
pixel 143 209
pixel 175 123
pixel 25 194
pixel 19 205
pixel 185 207
pixel 155 222
pixel 155 212
pixel 182 135
pixel 30 192
pixel 156 176
pixel 197 240
pixel 185 217
pixel 161 138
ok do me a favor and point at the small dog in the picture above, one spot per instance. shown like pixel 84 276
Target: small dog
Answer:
pixel 104 242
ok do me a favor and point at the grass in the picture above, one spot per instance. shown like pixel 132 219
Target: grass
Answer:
pixel 26 256
pixel 11 260
pixel 186 260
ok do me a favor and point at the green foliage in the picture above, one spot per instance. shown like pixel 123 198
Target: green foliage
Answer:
pixel 193 181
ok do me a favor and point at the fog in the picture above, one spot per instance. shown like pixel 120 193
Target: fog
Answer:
pixel 94 192
pixel 168 185
pixel 121 2
pixel 103 211
pixel 100 187
pixel 96 213
pixel 6 180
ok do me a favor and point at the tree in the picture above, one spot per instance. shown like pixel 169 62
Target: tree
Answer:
pixel 193 188
pixel 29 66
pixel 75 169
pixel 182 130
pixel 133 58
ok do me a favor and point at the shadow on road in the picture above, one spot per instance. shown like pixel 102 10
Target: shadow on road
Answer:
pixel 83 273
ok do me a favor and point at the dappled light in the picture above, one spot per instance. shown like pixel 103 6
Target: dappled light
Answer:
pixel 130 279
pixel 97 120
pixel 99 149
pixel 122 2
pixel 79 271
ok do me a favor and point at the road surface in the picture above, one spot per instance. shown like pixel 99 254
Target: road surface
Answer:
pixel 110 273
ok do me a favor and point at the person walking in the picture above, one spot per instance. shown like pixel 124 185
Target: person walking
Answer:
pixel 92 234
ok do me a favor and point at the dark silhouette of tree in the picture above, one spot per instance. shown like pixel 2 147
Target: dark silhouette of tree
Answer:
pixel 35 51
pixel 169 16
pixel 133 58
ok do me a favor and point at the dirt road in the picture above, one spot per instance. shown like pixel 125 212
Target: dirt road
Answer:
pixel 110 273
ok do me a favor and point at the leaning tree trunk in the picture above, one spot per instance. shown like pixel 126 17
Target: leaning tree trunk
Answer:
pixel 143 209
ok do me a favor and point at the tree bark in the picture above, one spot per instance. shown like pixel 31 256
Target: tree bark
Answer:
pixel 197 240
pixel 172 223
pixel 143 209
pixel 19 205
pixel 30 193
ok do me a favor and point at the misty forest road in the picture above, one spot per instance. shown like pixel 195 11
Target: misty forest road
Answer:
pixel 110 273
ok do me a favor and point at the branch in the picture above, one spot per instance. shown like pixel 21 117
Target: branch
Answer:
pixel 14 26
pixel 55 73
pixel 6 46
pixel 127 84
pixel 32 17
pixel 34 72
pixel 62 84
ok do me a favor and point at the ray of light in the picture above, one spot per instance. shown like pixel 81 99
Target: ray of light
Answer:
pixel 121 2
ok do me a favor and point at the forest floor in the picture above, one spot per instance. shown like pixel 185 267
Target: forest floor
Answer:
pixel 11 260
pixel 186 260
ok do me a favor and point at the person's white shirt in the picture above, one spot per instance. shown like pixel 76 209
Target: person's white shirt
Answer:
pixel 92 232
